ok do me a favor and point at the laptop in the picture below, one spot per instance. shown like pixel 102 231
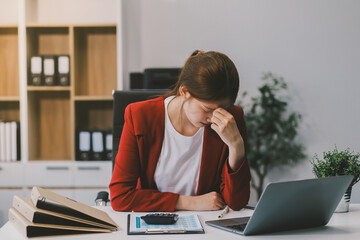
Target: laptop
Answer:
pixel 290 205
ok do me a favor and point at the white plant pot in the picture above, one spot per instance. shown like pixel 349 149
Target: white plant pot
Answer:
pixel 344 202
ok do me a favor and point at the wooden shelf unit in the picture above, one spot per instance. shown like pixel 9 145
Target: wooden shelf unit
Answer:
pixel 93 98
pixel 48 88
pixel 9 77
pixel 95 60
pixel 9 99
pixel 56 112
pixel 9 74
pixel 9 111
pixel 96 115
pixel 49 126
pixel 49 107
pixel 9 64
pixel 48 114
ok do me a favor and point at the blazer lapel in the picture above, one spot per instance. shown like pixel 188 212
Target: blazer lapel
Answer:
pixel 155 138
pixel 211 162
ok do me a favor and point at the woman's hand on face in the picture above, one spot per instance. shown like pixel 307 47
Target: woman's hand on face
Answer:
pixel 207 202
pixel 224 124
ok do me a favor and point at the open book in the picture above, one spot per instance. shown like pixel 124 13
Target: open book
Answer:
pixel 48 213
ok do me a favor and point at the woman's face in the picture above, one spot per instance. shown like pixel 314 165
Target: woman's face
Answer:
pixel 199 112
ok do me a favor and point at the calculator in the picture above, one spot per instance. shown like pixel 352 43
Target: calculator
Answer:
pixel 160 218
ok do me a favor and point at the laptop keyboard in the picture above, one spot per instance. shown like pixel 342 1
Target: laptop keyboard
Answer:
pixel 239 227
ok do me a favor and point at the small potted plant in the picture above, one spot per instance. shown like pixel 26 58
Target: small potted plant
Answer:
pixel 335 163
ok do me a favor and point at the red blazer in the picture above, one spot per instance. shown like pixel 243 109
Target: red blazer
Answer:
pixel 132 187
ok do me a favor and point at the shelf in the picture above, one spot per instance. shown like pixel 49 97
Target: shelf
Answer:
pixel 95 60
pixel 93 115
pixel 9 111
pixel 47 41
pixel 112 25
pixel 9 26
pixel 9 99
pixel 49 126
pixel 93 98
pixel 38 25
pixel 9 64
pixel 53 113
pixel 47 114
pixel 50 160
pixel 48 88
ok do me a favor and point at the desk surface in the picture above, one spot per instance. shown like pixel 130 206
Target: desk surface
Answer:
pixel 341 226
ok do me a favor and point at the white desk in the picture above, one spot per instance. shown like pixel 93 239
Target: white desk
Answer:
pixel 341 226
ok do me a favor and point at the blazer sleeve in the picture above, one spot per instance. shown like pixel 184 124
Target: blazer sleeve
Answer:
pixel 235 185
pixel 124 194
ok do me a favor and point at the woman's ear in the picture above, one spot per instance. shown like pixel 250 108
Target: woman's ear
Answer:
pixel 184 92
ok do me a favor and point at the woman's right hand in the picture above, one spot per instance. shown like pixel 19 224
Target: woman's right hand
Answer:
pixel 209 201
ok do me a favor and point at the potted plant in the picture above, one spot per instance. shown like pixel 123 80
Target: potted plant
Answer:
pixel 271 129
pixel 335 163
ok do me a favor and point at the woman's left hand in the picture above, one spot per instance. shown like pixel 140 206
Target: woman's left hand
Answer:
pixel 224 124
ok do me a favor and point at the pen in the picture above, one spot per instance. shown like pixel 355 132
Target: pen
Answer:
pixel 224 211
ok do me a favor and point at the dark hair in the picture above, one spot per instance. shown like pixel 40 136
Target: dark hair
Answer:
pixel 208 76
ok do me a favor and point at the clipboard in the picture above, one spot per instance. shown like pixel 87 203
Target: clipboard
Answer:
pixel 188 223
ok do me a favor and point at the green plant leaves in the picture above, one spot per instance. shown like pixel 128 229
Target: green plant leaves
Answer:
pixel 335 163
pixel 271 129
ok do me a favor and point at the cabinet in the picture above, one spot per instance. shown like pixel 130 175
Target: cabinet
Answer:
pixel 9 74
pixel 89 31
pixel 86 103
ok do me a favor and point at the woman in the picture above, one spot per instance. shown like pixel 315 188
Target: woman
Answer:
pixel 185 150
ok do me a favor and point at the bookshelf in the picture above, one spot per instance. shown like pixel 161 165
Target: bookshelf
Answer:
pixel 9 77
pixel 89 31
pixel 85 104
pixel 9 110
pixel 91 36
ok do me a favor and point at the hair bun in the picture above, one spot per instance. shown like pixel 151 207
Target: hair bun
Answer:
pixel 197 52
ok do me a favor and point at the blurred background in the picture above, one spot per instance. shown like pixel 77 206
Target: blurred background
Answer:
pixel 313 44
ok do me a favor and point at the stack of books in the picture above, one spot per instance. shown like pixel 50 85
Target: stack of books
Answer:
pixel 49 214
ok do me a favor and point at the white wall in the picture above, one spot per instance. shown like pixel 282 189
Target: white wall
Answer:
pixel 8 12
pixel 313 44
pixel 67 11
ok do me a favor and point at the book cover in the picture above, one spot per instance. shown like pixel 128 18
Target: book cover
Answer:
pixel 48 200
pixel 36 215
pixel 48 214
pixel 30 229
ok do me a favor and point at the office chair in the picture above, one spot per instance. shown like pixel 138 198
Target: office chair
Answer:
pixel 120 101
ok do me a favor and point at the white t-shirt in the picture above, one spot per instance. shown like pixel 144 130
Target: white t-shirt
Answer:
pixel 178 167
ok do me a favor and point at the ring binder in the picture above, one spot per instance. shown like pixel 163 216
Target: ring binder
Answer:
pixel 63 70
pixel 49 70
pixel 49 214
pixel 36 70
pixel 83 148
pixel 98 145
pixel 108 144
